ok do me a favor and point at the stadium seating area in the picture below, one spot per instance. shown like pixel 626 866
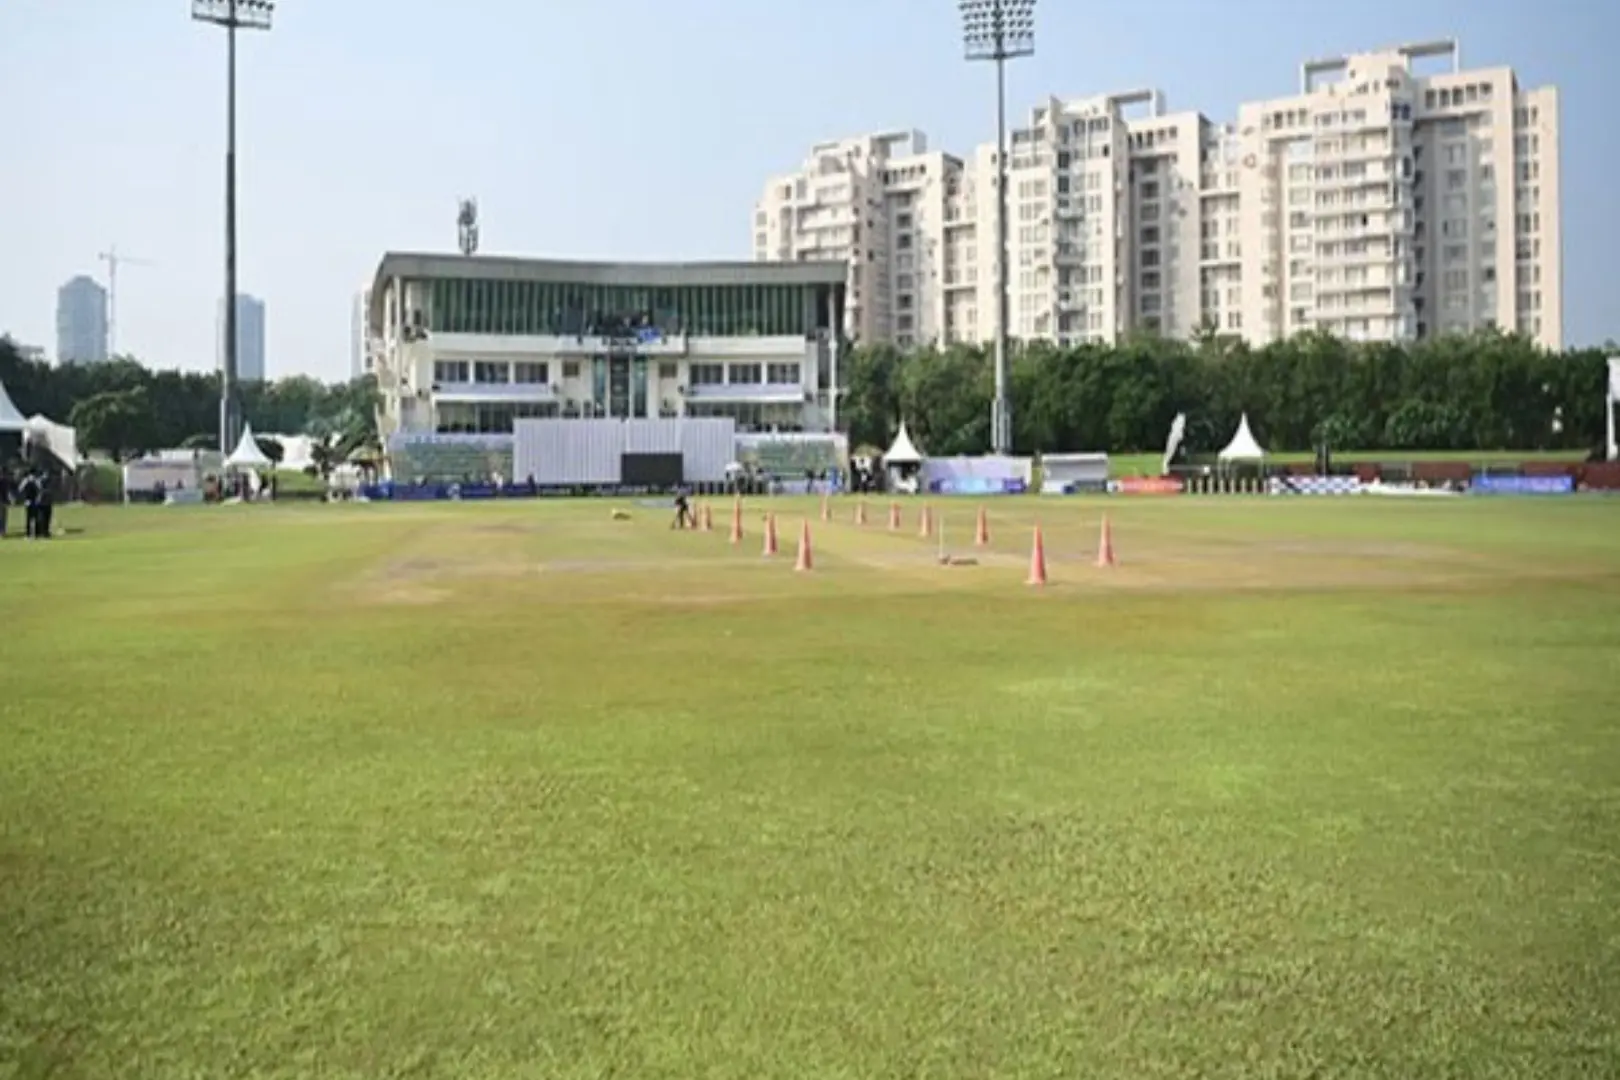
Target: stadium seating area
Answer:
pixel 435 460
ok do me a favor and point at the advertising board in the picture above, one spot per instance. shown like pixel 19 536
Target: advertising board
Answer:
pixel 1523 485
pixel 1149 485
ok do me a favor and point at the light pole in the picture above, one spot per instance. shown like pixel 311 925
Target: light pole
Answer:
pixel 233 15
pixel 1000 30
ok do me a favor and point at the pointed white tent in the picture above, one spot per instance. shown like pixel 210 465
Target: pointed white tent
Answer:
pixel 903 451
pixel 11 418
pixel 247 454
pixel 1243 446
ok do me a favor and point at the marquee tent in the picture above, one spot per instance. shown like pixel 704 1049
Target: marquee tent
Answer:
pixel 61 440
pixel 1243 446
pixel 247 454
pixel 297 452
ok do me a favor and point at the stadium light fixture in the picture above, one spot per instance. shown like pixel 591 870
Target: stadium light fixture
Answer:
pixel 233 15
pixel 999 30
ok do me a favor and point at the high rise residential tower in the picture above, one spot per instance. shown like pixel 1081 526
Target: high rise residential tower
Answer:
pixel 1378 202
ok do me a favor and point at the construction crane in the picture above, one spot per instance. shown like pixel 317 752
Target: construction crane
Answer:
pixel 114 261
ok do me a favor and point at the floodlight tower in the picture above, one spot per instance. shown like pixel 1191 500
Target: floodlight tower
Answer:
pixel 1000 30
pixel 233 15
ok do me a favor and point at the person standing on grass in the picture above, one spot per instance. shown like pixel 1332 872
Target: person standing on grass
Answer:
pixel 47 499
pixel 683 512
pixel 5 498
pixel 28 492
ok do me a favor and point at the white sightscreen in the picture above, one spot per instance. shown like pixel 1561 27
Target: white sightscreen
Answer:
pixel 587 452
pixel 652 436
pixel 562 452
pixel 708 445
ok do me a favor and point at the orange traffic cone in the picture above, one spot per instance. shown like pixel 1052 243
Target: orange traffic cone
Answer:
pixel 1105 546
pixel 925 523
pixel 826 506
pixel 894 517
pixel 806 561
pixel 736 521
pixel 770 536
pixel 981 535
pixel 860 512
pixel 1037 560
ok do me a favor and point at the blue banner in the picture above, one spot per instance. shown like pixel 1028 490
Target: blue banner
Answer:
pixel 1523 485
pixel 977 485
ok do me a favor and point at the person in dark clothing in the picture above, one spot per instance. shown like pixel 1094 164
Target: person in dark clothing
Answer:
pixel 42 527
pixel 28 493
pixel 684 518
pixel 5 499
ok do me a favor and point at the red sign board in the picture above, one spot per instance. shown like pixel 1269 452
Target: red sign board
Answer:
pixel 1150 485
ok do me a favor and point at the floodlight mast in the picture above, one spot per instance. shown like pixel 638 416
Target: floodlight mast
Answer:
pixel 233 15
pixel 1000 30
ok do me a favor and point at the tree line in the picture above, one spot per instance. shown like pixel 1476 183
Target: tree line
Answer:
pixel 123 409
pixel 1488 391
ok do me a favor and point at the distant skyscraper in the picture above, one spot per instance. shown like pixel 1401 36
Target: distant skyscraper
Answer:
pixel 81 322
pixel 358 364
pixel 249 338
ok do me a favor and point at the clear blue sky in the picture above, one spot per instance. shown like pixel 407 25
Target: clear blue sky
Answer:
pixel 610 128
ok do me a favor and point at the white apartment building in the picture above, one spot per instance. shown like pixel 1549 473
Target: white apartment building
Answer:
pixel 1377 203
pixel 879 204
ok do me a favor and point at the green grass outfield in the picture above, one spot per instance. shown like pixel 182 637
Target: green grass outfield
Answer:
pixel 1301 788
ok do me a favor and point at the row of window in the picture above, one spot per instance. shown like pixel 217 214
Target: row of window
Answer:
pixel 524 372
pixel 493 372
pixel 476 306
pixel 744 375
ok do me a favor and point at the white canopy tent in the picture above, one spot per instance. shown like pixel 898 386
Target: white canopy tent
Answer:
pixel 247 454
pixel 1243 446
pixel 11 418
pixel 297 452
pixel 61 440
pixel 903 451
pixel 903 463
